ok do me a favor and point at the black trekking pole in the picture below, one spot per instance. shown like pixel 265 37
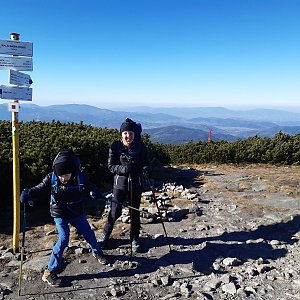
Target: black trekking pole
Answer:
pixel 131 207
pixel 159 211
pixel 22 248
pixel 130 210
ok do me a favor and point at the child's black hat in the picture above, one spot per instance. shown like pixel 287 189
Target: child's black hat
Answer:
pixel 64 163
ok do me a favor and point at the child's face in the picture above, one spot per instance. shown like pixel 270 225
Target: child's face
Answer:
pixel 65 178
pixel 127 137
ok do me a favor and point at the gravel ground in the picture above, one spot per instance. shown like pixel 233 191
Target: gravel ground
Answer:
pixel 236 238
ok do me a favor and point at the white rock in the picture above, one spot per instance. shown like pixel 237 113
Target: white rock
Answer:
pixel 229 288
pixel 230 261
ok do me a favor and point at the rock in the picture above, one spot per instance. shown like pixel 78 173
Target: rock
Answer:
pixel 296 282
pixel 172 296
pixel 78 251
pixel 230 261
pixel 37 264
pixel 275 242
pixel 165 280
pixel 229 288
pixel 263 268
pixel 185 288
pixel 8 255
pixel 226 278
pixel 212 284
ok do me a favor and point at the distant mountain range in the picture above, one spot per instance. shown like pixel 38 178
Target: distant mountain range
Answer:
pixel 170 125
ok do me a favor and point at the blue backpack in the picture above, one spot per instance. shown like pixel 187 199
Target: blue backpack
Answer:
pixel 62 156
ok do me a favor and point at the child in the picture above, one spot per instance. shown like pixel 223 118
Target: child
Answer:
pixel 66 185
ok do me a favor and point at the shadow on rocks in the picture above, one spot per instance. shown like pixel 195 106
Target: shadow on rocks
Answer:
pixel 215 247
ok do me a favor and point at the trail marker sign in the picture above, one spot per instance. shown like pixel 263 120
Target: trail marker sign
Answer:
pixel 17 63
pixel 11 47
pixel 15 93
pixel 14 107
pixel 19 78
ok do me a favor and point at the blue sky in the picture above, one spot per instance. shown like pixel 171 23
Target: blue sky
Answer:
pixel 112 53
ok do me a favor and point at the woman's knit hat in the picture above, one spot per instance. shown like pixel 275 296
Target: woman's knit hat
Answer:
pixel 128 125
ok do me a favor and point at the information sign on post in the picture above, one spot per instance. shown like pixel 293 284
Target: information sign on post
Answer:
pixel 15 93
pixel 19 78
pixel 11 47
pixel 16 63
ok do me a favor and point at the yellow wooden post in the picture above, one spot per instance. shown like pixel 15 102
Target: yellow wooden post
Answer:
pixel 16 171
pixel 16 180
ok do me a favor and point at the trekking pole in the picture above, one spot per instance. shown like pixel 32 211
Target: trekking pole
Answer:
pixel 159 211
pixel 22 248
pixel 130 210
pixel 131 207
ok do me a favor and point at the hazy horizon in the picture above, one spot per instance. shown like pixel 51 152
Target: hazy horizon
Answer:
pixel 130 107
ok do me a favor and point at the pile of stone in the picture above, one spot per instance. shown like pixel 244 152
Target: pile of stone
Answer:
pixel 163 197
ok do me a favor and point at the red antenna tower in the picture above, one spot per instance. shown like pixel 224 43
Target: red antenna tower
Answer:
pixel 209 136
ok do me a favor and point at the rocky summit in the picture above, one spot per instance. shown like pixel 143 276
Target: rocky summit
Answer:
pixel 214 232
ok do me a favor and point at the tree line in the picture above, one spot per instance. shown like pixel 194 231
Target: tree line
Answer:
pixel 41 141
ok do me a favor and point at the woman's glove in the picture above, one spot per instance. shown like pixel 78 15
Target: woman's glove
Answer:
pixel 128 163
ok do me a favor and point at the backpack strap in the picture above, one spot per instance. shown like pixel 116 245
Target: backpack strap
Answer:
pixel 80 181
pixel 54 185
pixel 56 188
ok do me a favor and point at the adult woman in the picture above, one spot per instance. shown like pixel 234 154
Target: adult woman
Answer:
pixel 127 160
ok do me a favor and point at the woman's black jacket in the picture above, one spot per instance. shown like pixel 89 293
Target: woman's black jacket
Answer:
pixel 118 159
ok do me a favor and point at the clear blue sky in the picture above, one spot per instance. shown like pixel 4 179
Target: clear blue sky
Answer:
pixel 111 53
